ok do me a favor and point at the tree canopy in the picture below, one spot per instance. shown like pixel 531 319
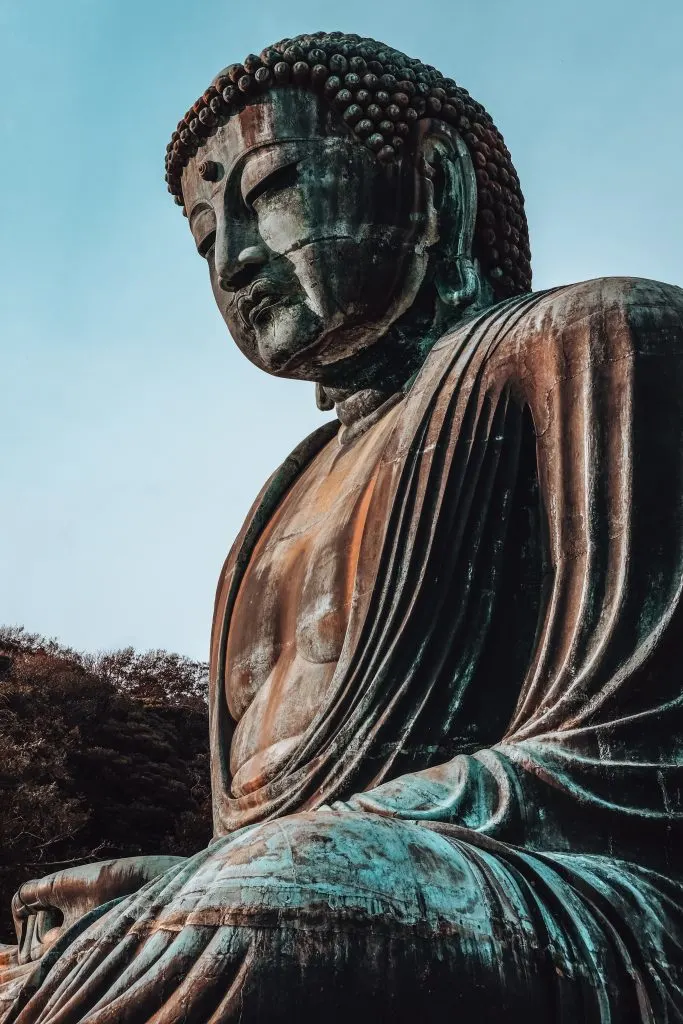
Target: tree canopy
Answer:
pixel 100 756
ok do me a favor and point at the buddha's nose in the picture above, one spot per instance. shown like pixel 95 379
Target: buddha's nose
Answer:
pixel 234 273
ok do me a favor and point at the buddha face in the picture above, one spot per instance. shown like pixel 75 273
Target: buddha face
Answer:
pixel 314 248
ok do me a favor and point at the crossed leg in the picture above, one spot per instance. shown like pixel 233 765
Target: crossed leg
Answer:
pixel 334 916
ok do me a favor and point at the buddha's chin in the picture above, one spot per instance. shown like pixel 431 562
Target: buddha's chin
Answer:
pixel 281 334
pixel 291 340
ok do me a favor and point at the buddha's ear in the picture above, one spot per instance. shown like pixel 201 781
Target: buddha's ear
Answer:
pixel 443 158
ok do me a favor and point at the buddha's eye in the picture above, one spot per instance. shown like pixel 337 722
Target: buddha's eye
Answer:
pixel 207 244
pixel 203 224
pixel 276 181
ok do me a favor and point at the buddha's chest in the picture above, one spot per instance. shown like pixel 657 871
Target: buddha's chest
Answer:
pixel 292 610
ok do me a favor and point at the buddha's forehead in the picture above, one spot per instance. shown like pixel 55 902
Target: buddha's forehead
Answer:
pixel 282 117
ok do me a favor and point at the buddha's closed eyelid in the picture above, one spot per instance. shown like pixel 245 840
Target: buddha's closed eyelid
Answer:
pixel 207 244
pixel 203 225
pixel 275 181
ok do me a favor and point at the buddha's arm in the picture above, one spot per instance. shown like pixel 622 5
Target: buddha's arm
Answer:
pixel 44 908
pixel 602 375
pixel 476 791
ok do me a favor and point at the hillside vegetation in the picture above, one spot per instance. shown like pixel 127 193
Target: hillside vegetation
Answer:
pixel 100 756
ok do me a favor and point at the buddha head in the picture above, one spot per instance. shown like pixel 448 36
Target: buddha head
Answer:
pixel 352 205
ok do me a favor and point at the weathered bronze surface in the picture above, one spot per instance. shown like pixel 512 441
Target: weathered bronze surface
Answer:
pixel 446 724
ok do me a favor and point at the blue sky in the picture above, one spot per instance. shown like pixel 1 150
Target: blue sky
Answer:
pixel 134 434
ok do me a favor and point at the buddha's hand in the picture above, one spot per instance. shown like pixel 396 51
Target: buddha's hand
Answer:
pixel 44 908
pixel 428 794
pixel 471 790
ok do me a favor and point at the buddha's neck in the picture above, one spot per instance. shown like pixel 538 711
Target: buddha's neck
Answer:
pixel 395 364
pixel 359 410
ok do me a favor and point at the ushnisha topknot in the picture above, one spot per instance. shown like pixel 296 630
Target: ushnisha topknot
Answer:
pixel 380 94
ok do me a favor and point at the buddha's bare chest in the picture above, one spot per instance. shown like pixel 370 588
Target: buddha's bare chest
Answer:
pixel 292 610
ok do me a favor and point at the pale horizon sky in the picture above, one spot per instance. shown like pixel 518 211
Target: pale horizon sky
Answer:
pixel 134 434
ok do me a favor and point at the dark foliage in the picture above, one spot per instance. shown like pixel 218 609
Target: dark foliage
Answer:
pixel 100 756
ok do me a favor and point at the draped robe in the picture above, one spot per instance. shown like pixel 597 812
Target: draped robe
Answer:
pixel 485 815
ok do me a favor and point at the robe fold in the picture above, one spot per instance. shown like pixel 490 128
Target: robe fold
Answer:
pixel 485 817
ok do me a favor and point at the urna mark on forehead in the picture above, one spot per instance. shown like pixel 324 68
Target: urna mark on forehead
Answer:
pixel 278 119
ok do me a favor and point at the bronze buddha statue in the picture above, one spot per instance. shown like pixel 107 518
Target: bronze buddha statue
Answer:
pixel 446 726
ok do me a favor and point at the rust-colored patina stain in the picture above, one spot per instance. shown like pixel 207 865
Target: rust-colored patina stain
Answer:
pixel 281 655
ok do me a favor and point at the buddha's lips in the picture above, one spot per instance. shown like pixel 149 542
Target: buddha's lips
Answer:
pixel 261 296
pixel 266 302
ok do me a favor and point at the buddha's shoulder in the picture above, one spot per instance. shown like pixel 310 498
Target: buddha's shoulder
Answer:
pixel 631 296
pixel 644 307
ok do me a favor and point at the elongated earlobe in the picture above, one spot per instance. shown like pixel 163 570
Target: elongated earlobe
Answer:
pixel 457 275
pixel 322 399
pixel 458 283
